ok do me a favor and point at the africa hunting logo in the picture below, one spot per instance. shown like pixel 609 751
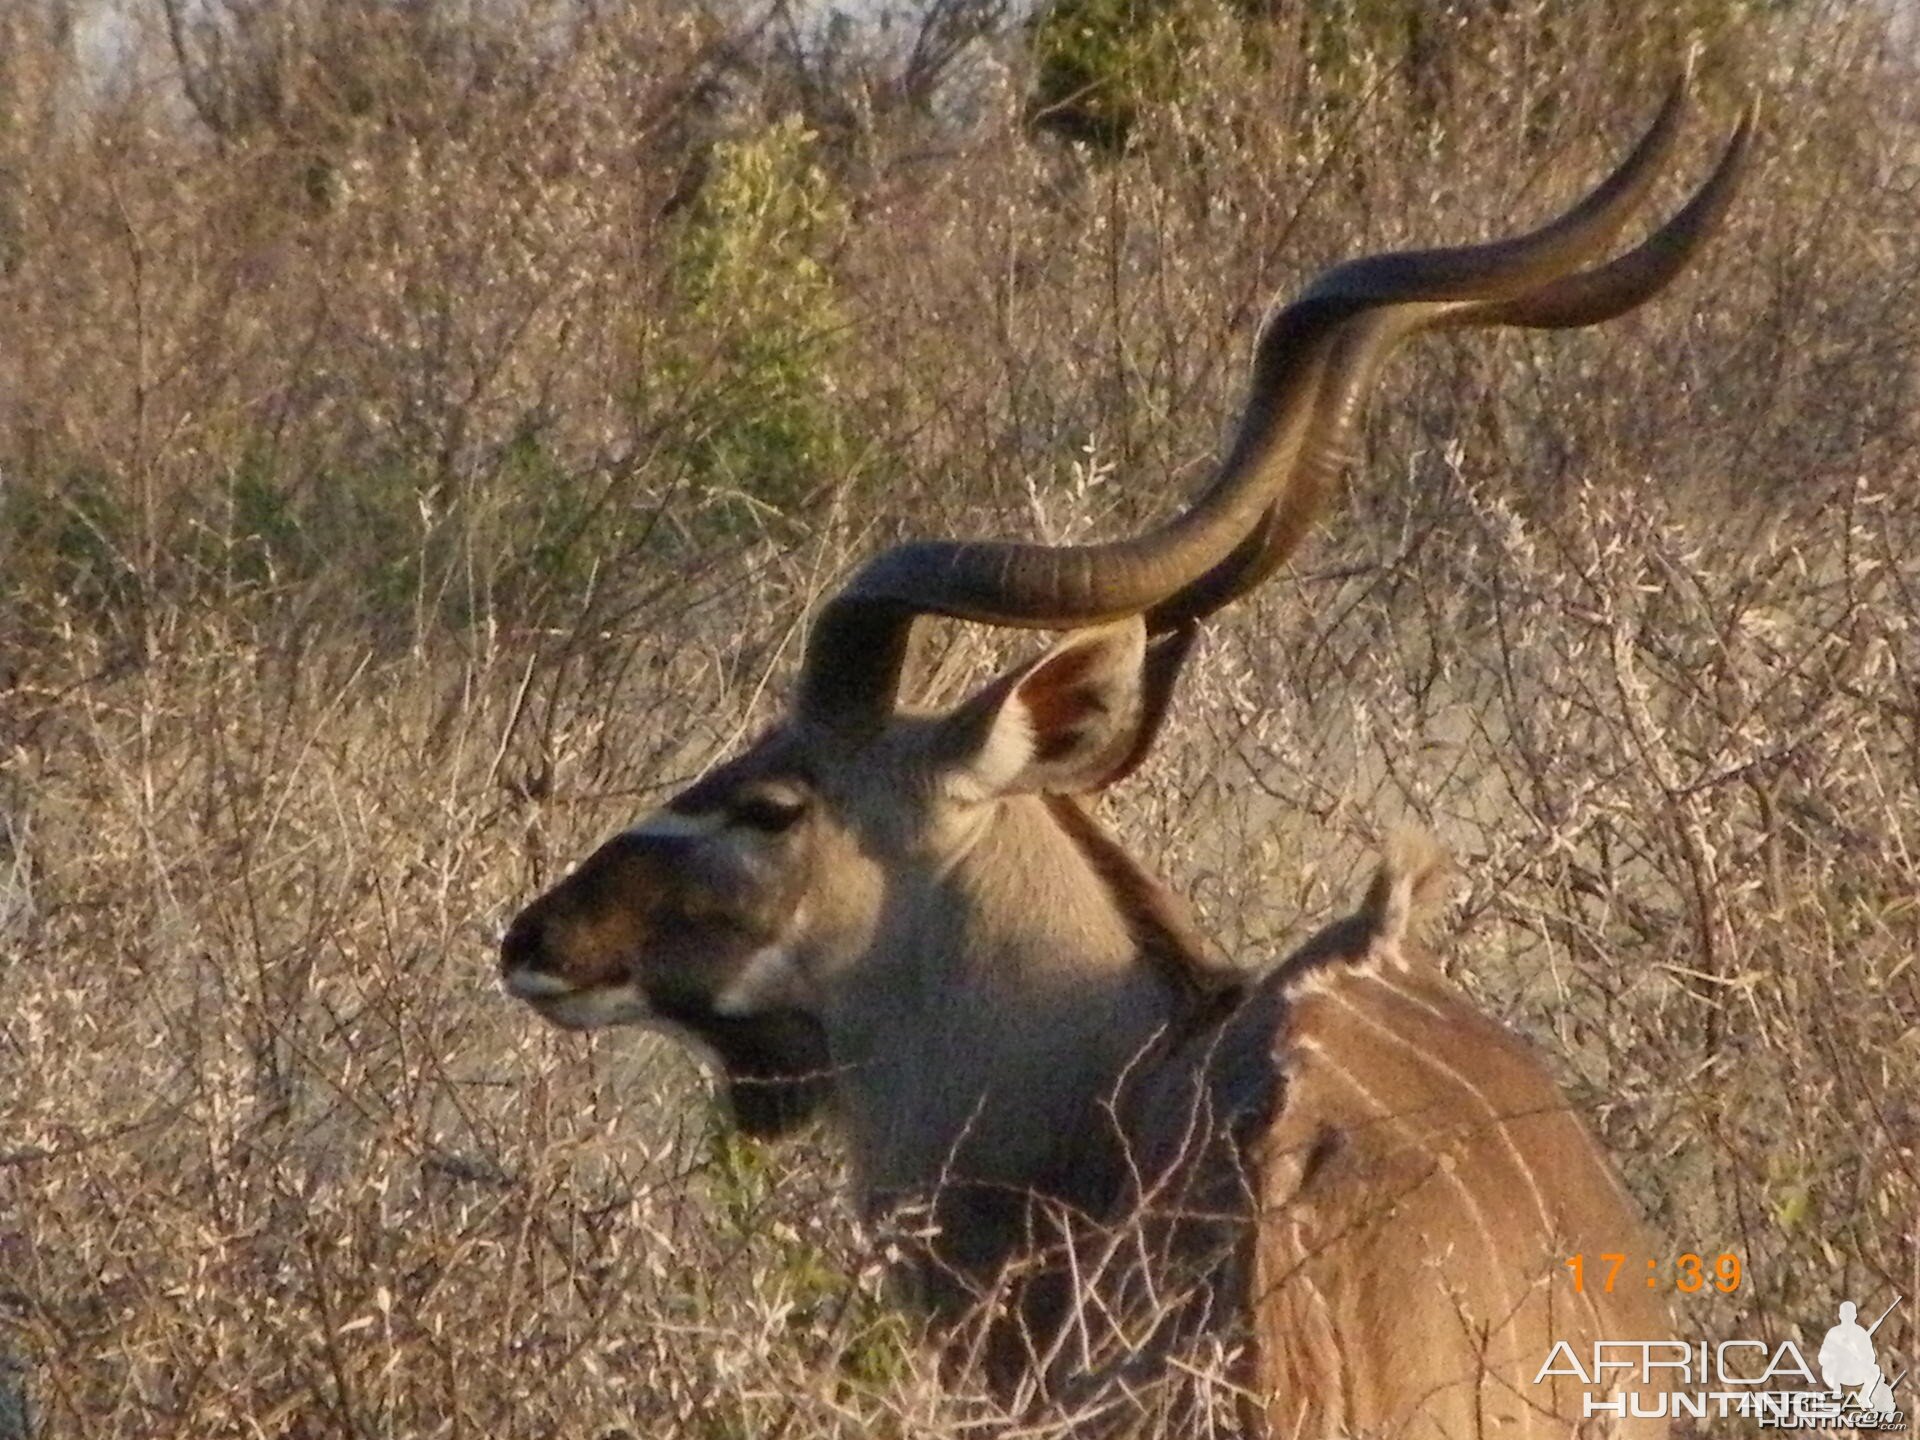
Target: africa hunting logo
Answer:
pixel 1652 1379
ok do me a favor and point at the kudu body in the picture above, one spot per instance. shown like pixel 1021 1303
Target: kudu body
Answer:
pixel 1339 1165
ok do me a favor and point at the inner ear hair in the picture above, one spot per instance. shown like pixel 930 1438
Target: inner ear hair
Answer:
pixel 1058 725
pixel 1081 704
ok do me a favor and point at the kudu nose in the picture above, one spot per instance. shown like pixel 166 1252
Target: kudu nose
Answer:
pixel 528 969
pixel 523 947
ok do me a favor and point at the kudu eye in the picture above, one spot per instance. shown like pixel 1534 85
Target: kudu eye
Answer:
pixel 769 814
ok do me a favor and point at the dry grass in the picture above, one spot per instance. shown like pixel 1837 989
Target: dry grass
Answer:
pixel 393 500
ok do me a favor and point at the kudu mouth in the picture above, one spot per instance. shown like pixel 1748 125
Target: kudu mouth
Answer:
pixel 578 957
pixel 528 974
pixel 543 973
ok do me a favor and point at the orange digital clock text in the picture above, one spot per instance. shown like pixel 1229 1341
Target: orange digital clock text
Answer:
pixel 1686 1273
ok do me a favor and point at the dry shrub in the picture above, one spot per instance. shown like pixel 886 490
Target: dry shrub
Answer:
pixel 365 559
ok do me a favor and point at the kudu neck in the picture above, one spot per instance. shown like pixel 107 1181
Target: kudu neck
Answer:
pixel 1023 982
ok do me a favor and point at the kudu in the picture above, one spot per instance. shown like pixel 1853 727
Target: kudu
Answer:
pixel 907 919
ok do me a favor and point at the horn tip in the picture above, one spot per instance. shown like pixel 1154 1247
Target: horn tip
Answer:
pixel 1740 142
pixel 1667 121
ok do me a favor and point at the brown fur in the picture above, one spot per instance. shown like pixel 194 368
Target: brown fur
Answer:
pixel 1384 1183
pixel 1120 1148
pixel 1422 1188
pixel 1161 922
pixel 1118 1155
pixel 1116 1152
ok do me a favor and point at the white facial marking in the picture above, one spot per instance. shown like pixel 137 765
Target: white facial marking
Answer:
pixel 769 976
pixel 526 984
pixel 669 823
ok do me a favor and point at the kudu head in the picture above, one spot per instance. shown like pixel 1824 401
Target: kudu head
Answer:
pixel 747 909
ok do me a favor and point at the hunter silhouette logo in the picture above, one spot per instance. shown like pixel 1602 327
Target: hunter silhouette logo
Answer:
pixel 1769 1383
pixel 1847 1362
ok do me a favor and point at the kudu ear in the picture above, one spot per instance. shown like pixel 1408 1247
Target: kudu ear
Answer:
pixel 1065 724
